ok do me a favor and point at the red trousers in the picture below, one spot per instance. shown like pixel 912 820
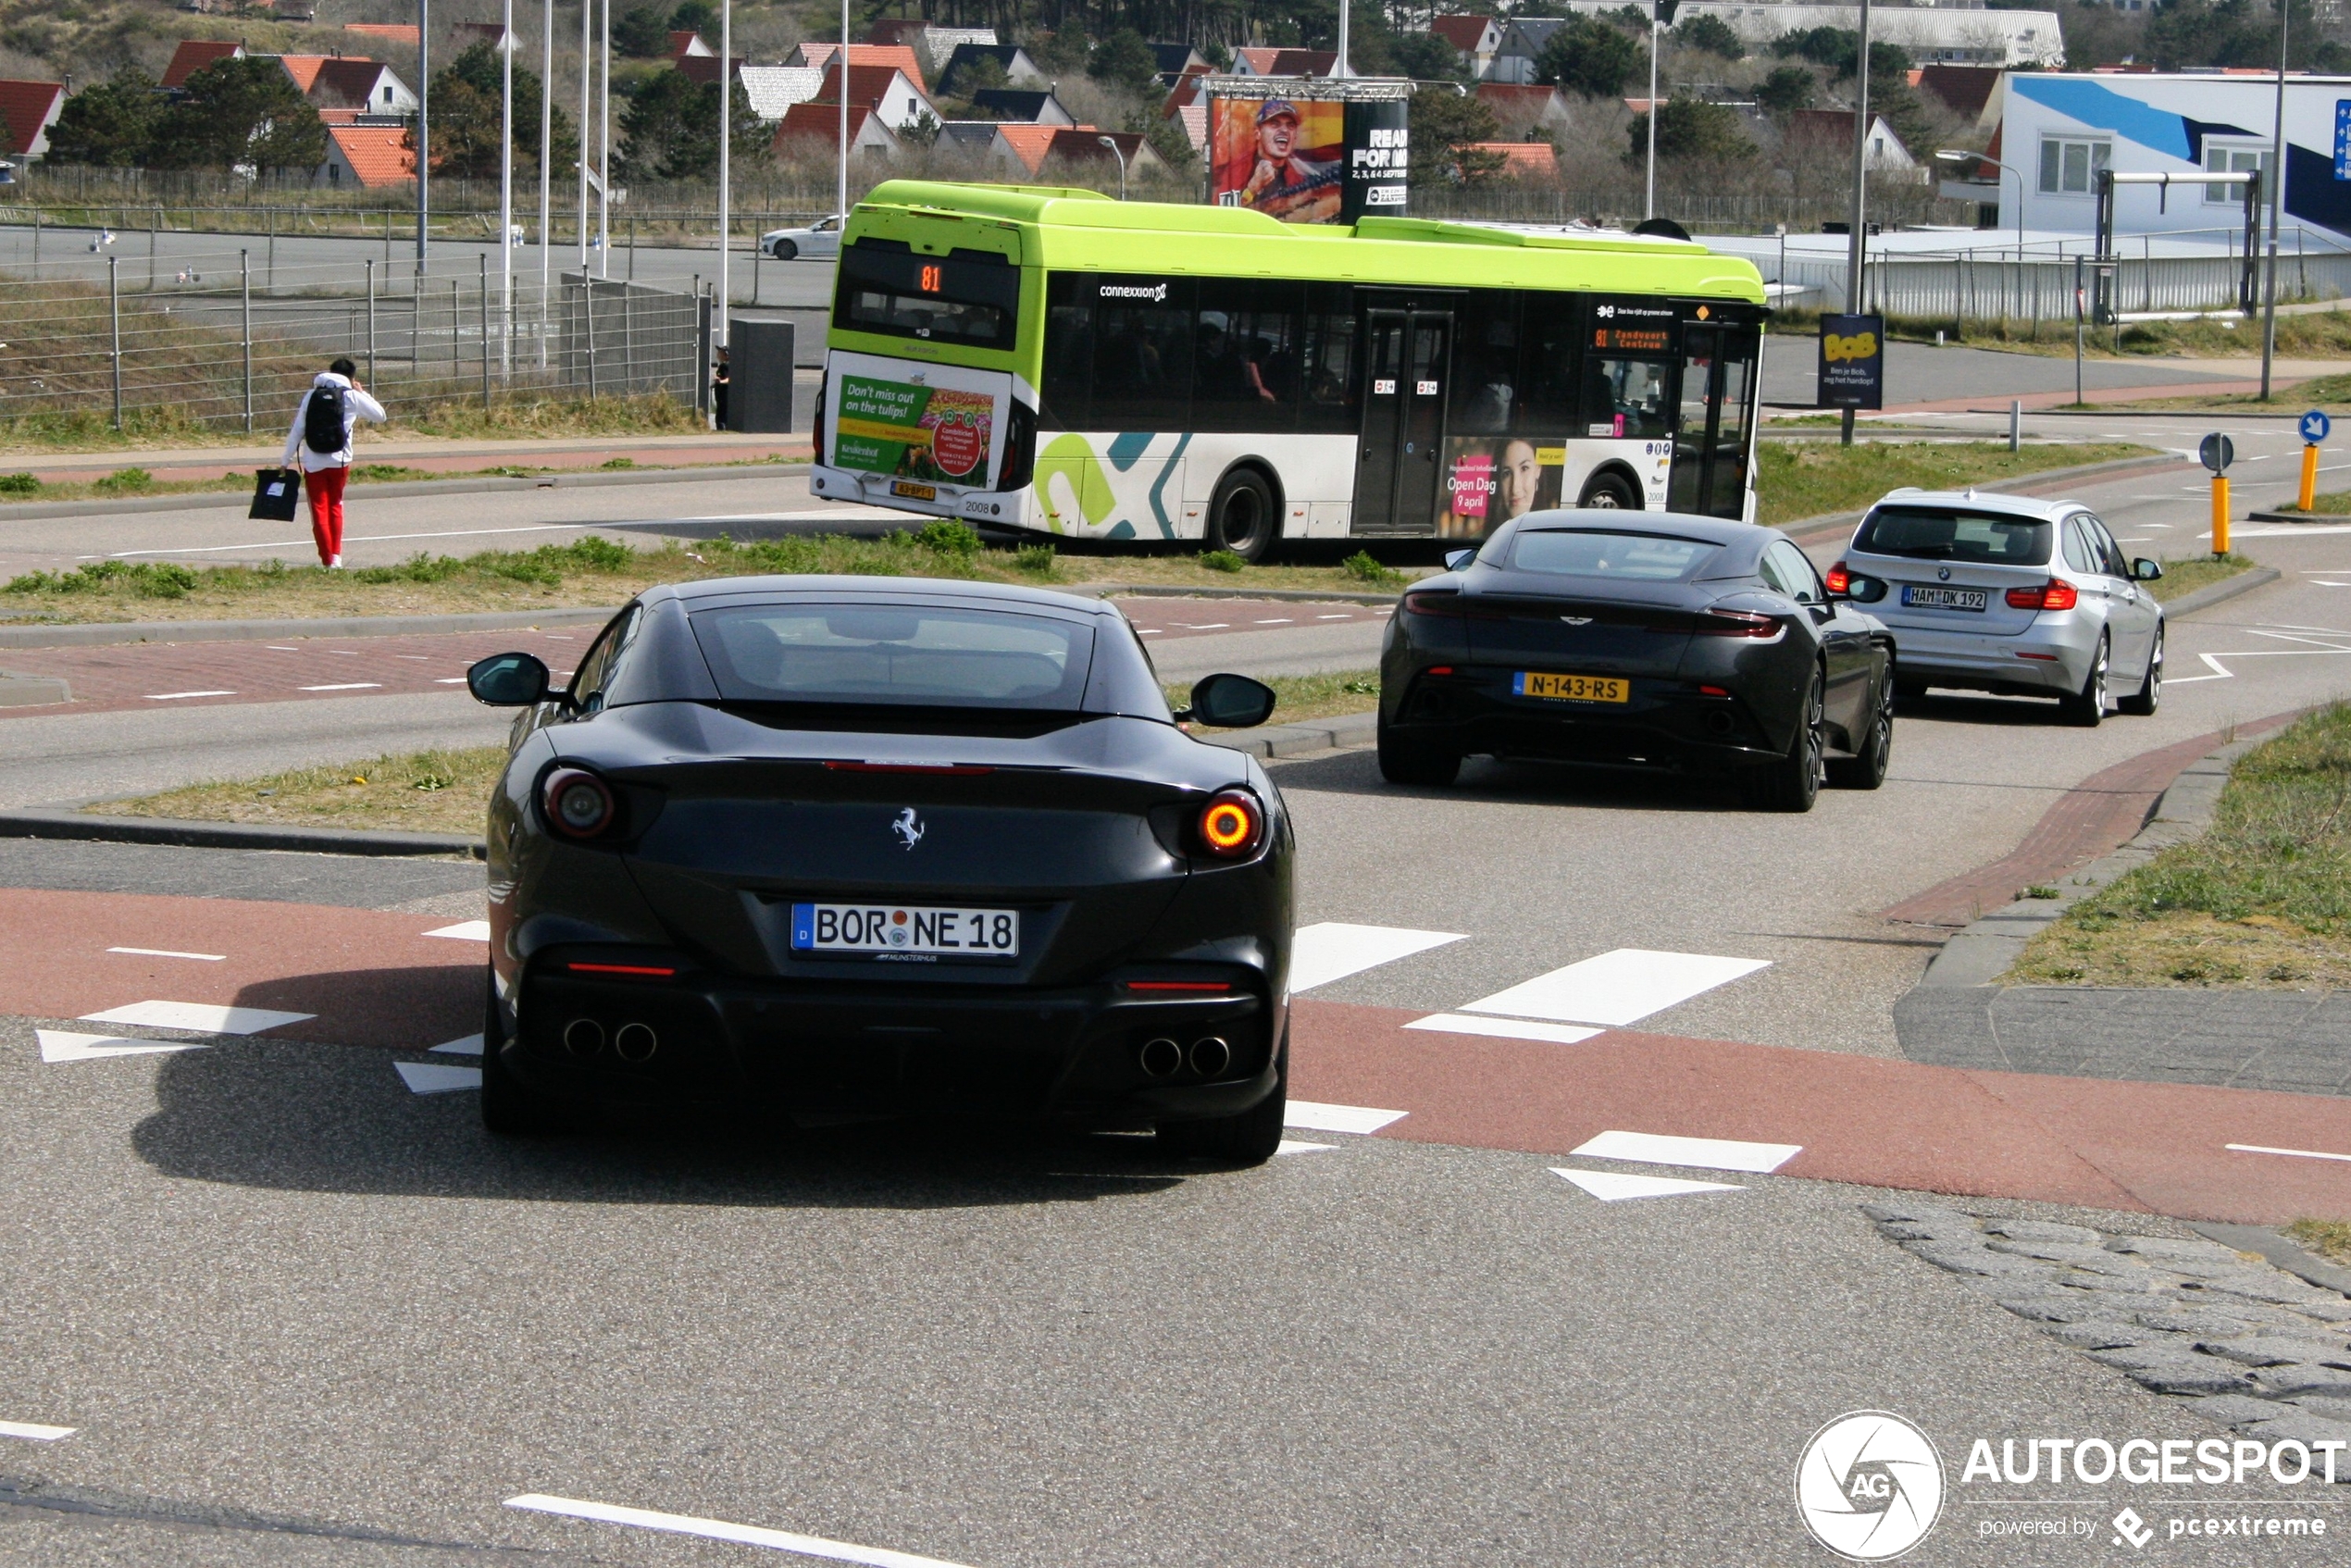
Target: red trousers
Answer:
pixel 325 488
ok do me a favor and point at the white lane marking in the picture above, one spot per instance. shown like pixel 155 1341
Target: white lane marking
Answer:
pixel 1358 1119
pixel 1614 1187
pixel 347 686
pixel 2222 672
pixel 1146 631
pixel 344 652
pixel 558 637
pixel 167 952
pixel 1333 617
pixel 1702 1153
pixel 33 1431
pixel 464 931
pixel 203 1017
pixel 463 1045
pixel 1332 949
pixel 432 1077
pixel 276 648
pixel 64 1045
pixel 720 1530
pixel 2298 1153
pixel 1293 1146
pixel 1502 1029
pixel 450 681
pixel 420 658
pixel 1277 620
pixel 1617 988
pixel 175 696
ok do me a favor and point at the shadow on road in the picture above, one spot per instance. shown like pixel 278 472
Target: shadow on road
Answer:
pixel 1483 778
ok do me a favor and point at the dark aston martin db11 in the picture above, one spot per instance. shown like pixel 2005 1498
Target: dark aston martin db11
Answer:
pixel 848 847
pixel 1641 639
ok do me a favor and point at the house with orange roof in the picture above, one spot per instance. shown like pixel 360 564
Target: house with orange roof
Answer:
pixel 1520 106
pixel 193 54
pixel 1077 149
pixel 339 81
pixel 1284 62
pixel 704 68
pixel 810 130
pixel 885 89
pixel 366 158
pixel 862 56
pixel 1524 160
pixel 1476 38
pixel 403 33
pixel 26 111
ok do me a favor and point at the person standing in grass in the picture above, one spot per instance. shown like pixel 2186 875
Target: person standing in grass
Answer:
pixel 321 433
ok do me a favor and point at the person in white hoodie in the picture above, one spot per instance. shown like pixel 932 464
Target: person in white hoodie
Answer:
pixel 322 434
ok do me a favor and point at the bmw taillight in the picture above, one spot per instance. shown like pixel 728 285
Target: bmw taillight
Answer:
pixel 1739 623
pixel 1840 578
pixel 578 804
pixel 1232 824
pixel 2055 594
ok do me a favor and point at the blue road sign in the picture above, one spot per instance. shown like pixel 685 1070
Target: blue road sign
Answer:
pixel 2314 427
pixel 2343 138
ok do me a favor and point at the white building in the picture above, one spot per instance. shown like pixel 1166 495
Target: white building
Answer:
pixel 2058 130
pixel 1929 35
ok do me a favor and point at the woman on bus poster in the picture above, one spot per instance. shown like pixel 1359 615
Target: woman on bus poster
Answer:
pixel 1490 479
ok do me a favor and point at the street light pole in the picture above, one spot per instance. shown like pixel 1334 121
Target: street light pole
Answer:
pixel 546 167
pixel 2277 198
pixel 603 152
pixel 424 124
pixel 842 211
pixel 1112 142
pixel 505 197
pixel 1857 242
pixel 726 149
pixel 1960 155
pixel 587 15
pixel 1649 198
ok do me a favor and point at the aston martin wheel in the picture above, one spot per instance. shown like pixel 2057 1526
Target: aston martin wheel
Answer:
pixel 1407 759
pixel 1793 782
pixel 1865 769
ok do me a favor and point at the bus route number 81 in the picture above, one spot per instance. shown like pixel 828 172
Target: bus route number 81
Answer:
pixel 930 280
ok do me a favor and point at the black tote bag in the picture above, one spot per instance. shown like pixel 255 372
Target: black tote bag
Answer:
pixel 276 495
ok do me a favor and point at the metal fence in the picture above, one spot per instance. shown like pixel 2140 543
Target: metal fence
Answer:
pixel 620 338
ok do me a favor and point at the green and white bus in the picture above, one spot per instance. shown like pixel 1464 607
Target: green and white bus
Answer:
pixel 1053 360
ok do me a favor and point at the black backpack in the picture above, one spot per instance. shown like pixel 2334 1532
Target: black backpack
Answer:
pixel 322 429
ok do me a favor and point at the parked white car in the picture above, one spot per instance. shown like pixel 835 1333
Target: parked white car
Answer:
pixel 820 239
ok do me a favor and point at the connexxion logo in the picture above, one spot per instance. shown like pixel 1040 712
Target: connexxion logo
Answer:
pixel 1869 1485
pixel 1155 292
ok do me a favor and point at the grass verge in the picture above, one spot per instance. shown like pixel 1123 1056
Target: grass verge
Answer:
pixel 447 791
pixel 2330 1239
pixel 1796 479
pixel 139 481
pixel 2262 899
pixel 451 412
pixel 2184 575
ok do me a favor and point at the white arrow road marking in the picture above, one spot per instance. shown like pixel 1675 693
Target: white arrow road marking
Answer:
pixel 1358 1119
pixel 64 1045
pixel 432 1077
pixel 346 686
pixel 466 1045
pixel 1333 949
pixel 1614 1187
pixel 1617 988
pixel 720 1530
pixel 201 1017
pixel 33 1431
pixel 1702 1153
pixel 1292 1146
pixel 464 931
pixel 1502 1029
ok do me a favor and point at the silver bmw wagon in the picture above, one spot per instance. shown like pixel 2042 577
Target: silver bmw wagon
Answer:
pixel 2011 595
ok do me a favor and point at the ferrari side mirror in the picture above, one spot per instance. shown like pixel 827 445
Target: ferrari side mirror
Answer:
pixel 1230 701
pixel 508 680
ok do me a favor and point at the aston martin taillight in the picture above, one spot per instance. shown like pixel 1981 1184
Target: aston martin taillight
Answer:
pixel 2055 594
pixel 1739 623
pixel 1232 824
pixel 1434 605
pixel 578 804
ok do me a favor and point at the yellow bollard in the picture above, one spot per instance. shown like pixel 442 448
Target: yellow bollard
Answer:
pixel 2310 478
pixel 2219 514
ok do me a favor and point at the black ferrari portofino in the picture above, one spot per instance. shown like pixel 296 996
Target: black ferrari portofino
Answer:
pixel 848 847
pixel 1645 641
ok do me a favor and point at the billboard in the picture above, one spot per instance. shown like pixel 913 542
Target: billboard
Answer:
pixel 1490 479
pixel 1852 368
pixel 1282 157
pixel 1379 136
pixel 938 427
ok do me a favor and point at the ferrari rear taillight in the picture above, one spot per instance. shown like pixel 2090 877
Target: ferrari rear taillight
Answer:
pixel 2055 594
pixel 1232 824
pixel 579 804
pixel 1840 578
pixel 1738 623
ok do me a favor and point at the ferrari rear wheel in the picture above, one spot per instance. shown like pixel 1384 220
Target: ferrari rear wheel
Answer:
pixel 1793 782
pixel 1249 1139
pixel 1403 760
pixel 510 1107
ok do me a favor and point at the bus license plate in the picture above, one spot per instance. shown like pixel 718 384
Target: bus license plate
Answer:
pixel 905 928
pixel 914 492
pixel 1571 688
pixel 1915 596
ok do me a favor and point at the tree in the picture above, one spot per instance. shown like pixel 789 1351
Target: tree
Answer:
pixel 465 117
pixel 241 113
pixel 111 125
pixel 2237 32
pixel 1712 34
pixel 1423 56
pixel 670 129
pixel 1835 48
pixel 641 33
pixel 1786 90
pixel 1590 56
pixel 1445 124
pixel 1689 130
pixel 693 15
pixel 1123 60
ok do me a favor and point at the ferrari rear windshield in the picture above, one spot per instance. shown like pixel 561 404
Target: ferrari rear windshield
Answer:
pixel 899 655
pixel 1951 533
pixel 1606 552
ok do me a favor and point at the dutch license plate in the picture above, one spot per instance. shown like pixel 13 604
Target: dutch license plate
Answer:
pixel 914 492
pixel 1571 688
pixel 1914 596
pixel 905 928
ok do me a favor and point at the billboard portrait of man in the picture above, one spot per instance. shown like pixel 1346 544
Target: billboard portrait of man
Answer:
pixel 1280 159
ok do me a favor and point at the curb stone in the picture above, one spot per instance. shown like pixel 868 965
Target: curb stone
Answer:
pixel 1297 740
pixel 2212 593
pixel 89 827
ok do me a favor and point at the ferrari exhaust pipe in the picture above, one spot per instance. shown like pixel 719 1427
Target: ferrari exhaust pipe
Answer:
pixel 583 1037
pixel 635 1042
pixel 1161 1058
pixel 1211 1056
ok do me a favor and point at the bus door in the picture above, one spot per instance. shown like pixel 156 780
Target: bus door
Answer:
pixel 1397 465
pixel 1711 437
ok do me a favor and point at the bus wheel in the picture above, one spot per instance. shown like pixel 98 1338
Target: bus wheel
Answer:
pixel 1609 492
pixel 1241 518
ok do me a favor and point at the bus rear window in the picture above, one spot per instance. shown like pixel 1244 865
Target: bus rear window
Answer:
pixel 962 298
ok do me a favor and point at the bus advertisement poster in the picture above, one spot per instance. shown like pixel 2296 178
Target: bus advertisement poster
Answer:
pixel 939 434
pixel 1490 479
pixel 1278 157
pixel 1852 361
pixel 1379 139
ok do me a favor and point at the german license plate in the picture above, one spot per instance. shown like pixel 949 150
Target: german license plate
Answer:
pixel 910 929
pixel 914 492
pixel 1915 596
pixel 1571 688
